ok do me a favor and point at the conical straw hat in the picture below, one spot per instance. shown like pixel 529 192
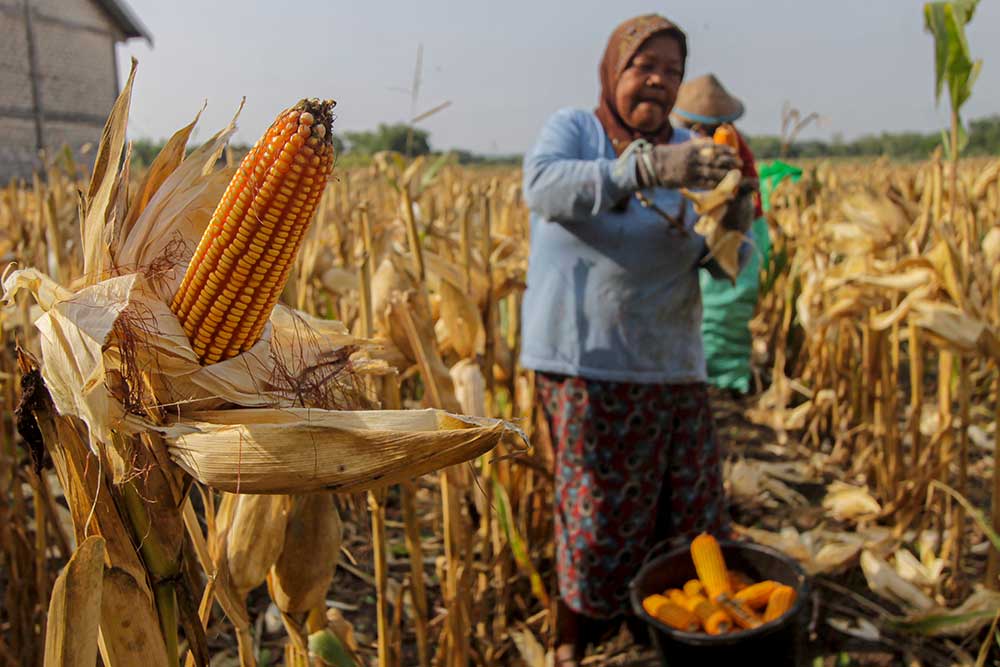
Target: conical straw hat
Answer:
pixel 704 100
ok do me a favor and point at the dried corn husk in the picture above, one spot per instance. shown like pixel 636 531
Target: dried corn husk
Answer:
pixel 723 244
pixel 300 450
pixel 991 246
pixel 410 313
pixel 884 581
pixel 913 570
pixel 957 328
pixel 754 482
pixel 452 272
pixel 302 574
pixel 462 324
pixel 470 387
pixel 850 503
pixel 820 550
pixel 389 279
pixel 255 538
pixel 75 608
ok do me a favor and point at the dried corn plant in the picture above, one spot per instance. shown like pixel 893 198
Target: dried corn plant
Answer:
pixel 136 398
pixel 882 321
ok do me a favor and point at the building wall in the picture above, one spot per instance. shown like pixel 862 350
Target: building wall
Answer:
pixel 77 70
pixel 84 12
pixel 74 46
pixel 15 85
pixel 17 148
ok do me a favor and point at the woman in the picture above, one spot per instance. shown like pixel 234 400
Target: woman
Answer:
pixel 703 104
pixel 611 323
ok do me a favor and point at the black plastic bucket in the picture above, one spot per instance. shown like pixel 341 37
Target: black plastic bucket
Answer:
pixel 780 643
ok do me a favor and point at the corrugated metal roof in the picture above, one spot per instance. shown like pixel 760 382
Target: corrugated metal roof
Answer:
pixel 126 21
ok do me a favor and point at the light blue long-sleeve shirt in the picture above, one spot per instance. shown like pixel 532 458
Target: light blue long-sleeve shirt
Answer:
pixel 611 296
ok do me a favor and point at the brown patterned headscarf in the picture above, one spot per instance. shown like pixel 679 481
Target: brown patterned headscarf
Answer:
pixel 624 42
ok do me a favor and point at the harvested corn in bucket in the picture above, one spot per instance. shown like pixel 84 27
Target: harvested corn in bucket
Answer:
pixel 719 601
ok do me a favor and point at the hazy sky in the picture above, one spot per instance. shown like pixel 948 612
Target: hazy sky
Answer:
pixel 865 65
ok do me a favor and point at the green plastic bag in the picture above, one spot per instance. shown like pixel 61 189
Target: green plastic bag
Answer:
pixel 727 308
pixel 771 174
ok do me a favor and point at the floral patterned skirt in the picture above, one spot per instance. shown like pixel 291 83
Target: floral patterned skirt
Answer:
pixel 635 464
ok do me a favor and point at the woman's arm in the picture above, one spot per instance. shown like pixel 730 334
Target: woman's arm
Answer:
pixel 560 185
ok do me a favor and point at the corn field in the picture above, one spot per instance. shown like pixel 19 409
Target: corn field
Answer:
pixel 148 519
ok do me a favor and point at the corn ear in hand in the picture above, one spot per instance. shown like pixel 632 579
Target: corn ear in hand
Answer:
pixel 726 135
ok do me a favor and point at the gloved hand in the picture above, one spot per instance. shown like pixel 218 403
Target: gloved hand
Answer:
pixel 698 165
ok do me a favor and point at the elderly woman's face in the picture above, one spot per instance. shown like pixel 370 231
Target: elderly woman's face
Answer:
pixel 647 89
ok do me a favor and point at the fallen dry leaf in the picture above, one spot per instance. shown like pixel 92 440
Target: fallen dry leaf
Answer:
pixel 850 503
pixel 885 582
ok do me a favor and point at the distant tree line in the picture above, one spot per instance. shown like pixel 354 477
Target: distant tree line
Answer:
pixel 358 147
pixel 984 140
pixel 354 147
pixel 395 138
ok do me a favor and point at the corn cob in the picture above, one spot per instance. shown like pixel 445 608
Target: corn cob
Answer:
pixel 726 135
pixel 668 613
pixel 757 595
pixel 693 587
pixel 713 620
pixel 243 260
pixel 711 567
pixel 742 615
pixel 781 601
pixel 677 597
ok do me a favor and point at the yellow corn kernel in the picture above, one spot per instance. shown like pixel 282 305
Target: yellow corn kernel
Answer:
pixel 265 209
pixel 780 602
pixel 670 614
pixel 757 595
pixel 710 565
